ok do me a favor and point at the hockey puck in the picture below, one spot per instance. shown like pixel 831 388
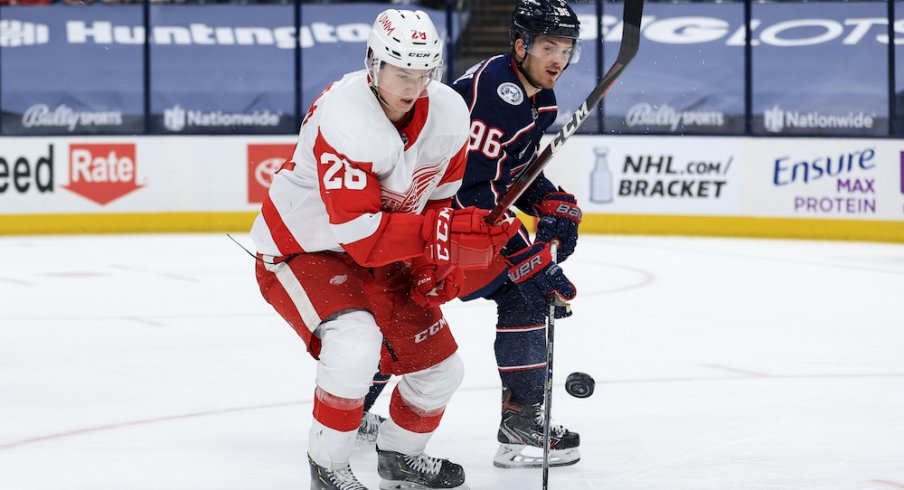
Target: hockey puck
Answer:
pixel 579 385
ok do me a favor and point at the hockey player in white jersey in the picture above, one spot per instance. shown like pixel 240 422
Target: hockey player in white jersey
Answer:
pixel 358 246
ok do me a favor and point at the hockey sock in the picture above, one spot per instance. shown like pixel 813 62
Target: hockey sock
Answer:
pixel 380 381
pixel 521 346
pixel 521 358
pixel 341 414
pixel 412 418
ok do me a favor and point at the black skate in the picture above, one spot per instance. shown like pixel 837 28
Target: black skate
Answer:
pixel 420 472
pixel 327 479
pixel 368 430
pixel 521 439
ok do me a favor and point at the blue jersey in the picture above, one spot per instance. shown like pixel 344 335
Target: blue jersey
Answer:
pixel 506 127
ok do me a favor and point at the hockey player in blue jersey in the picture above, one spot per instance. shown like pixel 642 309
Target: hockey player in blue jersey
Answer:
pixel 512 103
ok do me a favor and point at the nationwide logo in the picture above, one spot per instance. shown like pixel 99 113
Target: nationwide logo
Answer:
pixel 17 33
pixel 646 114
pixel 263 162
pixel 63 116
pixel 776 120
pixel 102 173
pixel 176 119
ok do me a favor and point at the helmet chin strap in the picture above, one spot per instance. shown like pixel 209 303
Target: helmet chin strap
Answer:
pixel 520 65
pixel 373 88
pixel 372 75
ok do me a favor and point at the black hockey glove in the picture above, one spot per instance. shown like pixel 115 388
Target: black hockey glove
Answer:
pixel 559 218
pixel 540 280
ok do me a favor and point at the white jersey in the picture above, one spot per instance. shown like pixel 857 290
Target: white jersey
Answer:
pixel 357 184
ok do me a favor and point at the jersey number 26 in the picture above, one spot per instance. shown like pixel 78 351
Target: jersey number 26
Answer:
pixel 341 174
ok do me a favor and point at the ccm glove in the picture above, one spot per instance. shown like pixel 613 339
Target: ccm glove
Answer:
pixel 540 280
pixel 433 285
pixel 559 218
pixel 464 238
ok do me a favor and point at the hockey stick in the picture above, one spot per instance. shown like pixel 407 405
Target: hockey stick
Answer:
pixel 547 401
pixel 629 44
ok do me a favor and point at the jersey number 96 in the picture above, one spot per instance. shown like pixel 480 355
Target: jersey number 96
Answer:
pixel 485 140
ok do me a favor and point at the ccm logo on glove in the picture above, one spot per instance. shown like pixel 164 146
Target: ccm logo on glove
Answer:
pixel 441 254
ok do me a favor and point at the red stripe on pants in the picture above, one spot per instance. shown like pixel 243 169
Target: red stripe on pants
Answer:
pixel 341 414
pixel 412 418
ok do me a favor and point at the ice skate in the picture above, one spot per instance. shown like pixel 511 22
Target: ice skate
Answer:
pixel 368 430
pixel 521 439
pixel 421 472
pixel 327 479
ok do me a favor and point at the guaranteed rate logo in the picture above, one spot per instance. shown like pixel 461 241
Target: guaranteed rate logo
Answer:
pixel 21 174
pixel 102 173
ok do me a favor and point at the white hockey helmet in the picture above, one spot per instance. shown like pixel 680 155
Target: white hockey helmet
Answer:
pixel 405 39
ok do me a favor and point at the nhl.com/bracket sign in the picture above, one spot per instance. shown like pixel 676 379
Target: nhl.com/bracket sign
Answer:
pixel 102 173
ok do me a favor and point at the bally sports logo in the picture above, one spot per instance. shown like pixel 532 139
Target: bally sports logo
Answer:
pixel 263 162
pixel 102 173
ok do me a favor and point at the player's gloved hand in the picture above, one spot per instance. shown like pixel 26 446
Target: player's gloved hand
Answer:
pixel 559 218
pixel 433 285
pixel 541 280
pixel 463 237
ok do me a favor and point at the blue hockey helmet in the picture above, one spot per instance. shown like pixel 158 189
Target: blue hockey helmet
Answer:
pixel 533 18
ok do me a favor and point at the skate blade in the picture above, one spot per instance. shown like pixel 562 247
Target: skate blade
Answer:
pixel 405 485
pixel 513 456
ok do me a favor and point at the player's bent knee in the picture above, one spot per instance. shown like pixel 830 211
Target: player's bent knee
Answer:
pixel 350 354
pixel 433 387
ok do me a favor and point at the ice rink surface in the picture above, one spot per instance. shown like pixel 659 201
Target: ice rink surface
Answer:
pixel 151 362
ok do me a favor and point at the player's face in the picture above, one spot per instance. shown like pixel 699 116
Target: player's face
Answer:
pixel 546 59
pixel 401 87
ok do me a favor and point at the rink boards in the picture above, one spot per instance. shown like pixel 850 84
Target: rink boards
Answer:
pixel 839 188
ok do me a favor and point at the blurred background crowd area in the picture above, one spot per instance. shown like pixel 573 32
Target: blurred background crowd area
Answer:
pixel 425 3
pixel 807 67
pixel 411 3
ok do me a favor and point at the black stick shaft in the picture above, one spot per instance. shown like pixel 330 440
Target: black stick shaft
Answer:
pixel 547 401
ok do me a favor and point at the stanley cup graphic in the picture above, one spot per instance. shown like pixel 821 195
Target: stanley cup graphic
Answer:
pixel 601 177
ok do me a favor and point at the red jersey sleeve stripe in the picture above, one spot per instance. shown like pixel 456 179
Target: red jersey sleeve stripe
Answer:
pixel 456 169
pixel 282 237
pixel 357 229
